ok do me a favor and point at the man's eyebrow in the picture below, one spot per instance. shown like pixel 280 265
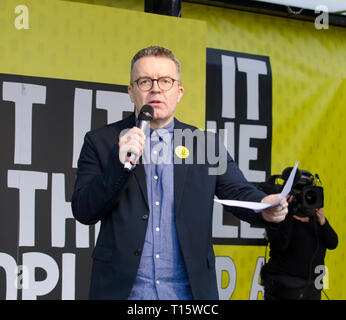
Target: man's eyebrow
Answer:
pixel 164 76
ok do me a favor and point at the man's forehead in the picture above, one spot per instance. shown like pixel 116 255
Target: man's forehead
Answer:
pixel 154 64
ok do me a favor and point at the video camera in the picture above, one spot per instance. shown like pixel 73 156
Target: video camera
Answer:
pixel 307 194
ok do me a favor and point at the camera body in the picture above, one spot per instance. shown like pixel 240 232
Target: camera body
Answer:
pixel 307 195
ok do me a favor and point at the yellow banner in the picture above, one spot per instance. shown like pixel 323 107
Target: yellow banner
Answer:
pixel 308 79
pixel 77 41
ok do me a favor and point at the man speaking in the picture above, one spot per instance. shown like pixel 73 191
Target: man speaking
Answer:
pixel 154 198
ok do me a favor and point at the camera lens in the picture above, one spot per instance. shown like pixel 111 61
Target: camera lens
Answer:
pixel 311 197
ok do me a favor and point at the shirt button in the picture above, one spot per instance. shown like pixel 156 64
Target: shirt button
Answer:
pixel 157 203
pixel 154 152
pixel 157 256
pixel 157 281
pixel 156 177
pixel 157 229
pixel 145 216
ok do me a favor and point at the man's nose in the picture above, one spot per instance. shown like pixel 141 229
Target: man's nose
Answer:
pixel 155 86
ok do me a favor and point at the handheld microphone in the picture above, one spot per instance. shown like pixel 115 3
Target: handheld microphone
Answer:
pixel 144 117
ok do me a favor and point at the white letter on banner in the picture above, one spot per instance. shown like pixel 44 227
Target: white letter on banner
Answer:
pixel 68 277
pixel 81 120
pixel 228 87
pixel 322 280
pixel 219 229
pixel 247 153
pixel 10 267
pixel 27 182
pixel 115 103
pixel 22 277
pixel 211 126
pixel 61 210
pixel 225 264
pixel 229 138
pixel 97 231
pixel 322 20
pixel 21 21
pixel 33 260
pixel 24 96
pixel 227 135
pixel 248 232
pixel 256 287
pixel 252 68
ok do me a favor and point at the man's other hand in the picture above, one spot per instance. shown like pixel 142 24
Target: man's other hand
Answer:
pixel 277 213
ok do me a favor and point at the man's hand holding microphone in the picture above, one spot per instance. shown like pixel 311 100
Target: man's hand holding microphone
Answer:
pixel 131 144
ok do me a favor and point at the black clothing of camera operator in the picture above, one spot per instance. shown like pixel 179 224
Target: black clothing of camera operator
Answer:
pixel 298 244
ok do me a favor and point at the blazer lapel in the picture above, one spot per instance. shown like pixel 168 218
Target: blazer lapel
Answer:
pixel 180 173
pixel 139 173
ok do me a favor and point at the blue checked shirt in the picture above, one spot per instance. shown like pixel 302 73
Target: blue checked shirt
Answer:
pixel 161 274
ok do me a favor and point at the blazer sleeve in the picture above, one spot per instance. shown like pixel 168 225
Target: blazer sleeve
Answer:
pixel 234 186
pixel 97 189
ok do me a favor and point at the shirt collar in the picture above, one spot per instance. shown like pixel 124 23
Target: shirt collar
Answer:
pixel 164 133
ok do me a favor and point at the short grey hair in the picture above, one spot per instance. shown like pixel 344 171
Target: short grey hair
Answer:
pixel 155 51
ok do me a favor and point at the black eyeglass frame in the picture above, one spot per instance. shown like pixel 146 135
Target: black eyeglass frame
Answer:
pixel 157 80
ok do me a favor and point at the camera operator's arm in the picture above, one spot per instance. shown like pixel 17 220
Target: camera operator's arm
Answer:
pixel 329 235
pixel 279 237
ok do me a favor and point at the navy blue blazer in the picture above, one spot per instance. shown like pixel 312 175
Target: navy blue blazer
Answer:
pixel 105 192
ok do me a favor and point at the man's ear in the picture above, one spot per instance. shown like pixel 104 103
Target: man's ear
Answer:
pixel 180 93
pixel 129 90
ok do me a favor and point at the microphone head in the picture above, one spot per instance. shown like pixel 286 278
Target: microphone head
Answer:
pixel 146 113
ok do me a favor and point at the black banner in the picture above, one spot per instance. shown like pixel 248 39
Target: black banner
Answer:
pixel 239 101
pixel 45 253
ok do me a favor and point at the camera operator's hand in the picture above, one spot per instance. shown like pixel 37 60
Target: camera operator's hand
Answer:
pixel 320 216
pixel 275 214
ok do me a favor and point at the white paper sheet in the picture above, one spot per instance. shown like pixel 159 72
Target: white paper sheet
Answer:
pixel 258 206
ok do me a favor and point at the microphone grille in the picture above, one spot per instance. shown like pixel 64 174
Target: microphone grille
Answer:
pixel 146 113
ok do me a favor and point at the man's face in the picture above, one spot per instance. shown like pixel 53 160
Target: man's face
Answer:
pixel 163 102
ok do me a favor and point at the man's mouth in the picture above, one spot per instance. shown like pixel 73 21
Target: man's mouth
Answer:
pixel 155 102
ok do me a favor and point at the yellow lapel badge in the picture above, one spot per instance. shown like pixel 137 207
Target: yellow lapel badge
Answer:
pixel 182 152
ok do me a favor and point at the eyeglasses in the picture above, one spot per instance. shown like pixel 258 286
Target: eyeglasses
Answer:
pixel 164 83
